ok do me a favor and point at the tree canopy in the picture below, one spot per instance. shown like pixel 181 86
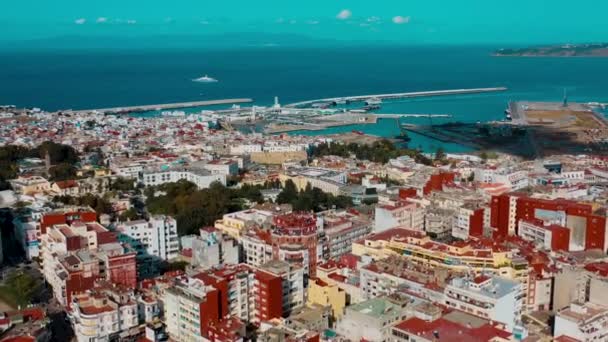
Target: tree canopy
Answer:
pixel 311 198
pixel 195 208
pixel 59 154
pixel 380 151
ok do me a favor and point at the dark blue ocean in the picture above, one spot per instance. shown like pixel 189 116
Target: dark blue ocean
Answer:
pixel 109 78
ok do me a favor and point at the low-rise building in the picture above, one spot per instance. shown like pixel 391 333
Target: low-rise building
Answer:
pixel 402 214
pixel 325 294
pixel 371 320
pixel 582 322
pixel 99 316
pixel 489 297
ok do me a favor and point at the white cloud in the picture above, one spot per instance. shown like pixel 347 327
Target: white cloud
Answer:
pixel 293 22
pixel 204 22
pixel 80 21
pixel 312 22
pixel 101 20
pixel 280 21
pixel 401 20
pixel 373 19
pixel 131 22
pixel 344 14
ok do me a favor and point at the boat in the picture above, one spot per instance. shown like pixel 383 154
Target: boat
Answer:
pixel 373 101
pixel 358 132
pixel 205 79
pixel 371 107
pixel 341 101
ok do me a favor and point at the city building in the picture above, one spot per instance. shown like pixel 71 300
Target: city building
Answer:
pixel 582 322
pixel 296 234
pixel 453 326
pixel 213 249
pixel 549 237
pixel 341 229
pixel 402 214
pixel 489 297
pixel 201 177
pixel 190 308
pixel 104 315
pixel 279 289
pixel 371 320
pixel 234 224
pixel 155 238
pixel 325 294
pixel 587 229
pixel 75 256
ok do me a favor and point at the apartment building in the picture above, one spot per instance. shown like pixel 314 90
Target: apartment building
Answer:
pixel 155 238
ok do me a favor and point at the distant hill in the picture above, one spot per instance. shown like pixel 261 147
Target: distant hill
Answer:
pixel 566 50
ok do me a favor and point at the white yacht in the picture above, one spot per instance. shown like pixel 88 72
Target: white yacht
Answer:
pixel 205 79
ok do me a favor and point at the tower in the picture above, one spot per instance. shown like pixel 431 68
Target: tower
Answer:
pixel 565 104
pixel 276 102
pixel 47 162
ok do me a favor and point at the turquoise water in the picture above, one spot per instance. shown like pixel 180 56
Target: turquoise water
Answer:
pixel 389 128
pixel 113 78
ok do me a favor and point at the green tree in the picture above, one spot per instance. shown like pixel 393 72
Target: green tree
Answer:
pixel 122 184
pixel 20 288
pixel 288 194
pixel 129 214
pixel 61 172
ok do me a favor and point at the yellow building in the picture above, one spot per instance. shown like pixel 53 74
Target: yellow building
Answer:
pixel 475 255
pixel 30 185
pixel 325 294
pixel 234 224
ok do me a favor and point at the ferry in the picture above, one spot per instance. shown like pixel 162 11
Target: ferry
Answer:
pixel 373 101
pixel 205 79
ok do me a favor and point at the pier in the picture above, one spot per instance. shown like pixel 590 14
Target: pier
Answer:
pixel 393 96
pixel 165 106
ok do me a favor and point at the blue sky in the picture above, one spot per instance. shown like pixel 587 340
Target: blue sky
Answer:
pixel 404 21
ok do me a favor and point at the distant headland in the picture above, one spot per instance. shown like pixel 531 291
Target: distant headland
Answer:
pixel 566 50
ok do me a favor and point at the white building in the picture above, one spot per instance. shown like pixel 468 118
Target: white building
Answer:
pixel 202 178
pixel 403 214
pixel 225 167
pixel 370 320
pixel 182 309
pixel 156 237
pixel 213 249
pixel 245 148
pixel 96 317
pixel 583 322
pixel 516 179
pixel 257 247
pixel 27 232
pixel 490 297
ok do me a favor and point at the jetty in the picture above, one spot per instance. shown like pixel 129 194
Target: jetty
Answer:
pixel 393 96
pixel 164 106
